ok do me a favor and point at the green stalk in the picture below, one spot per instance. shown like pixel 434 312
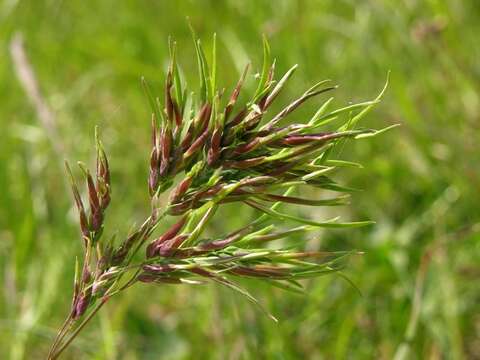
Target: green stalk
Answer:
pixel 77 330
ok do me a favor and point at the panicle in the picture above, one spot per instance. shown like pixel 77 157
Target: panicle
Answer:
pixel 210 152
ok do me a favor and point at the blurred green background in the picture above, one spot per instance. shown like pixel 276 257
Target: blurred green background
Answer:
pixel 419 276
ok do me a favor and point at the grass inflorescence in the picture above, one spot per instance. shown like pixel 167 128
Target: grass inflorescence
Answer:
pixel 209 150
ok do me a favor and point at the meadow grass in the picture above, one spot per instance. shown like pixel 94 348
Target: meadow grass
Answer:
pixel 417 277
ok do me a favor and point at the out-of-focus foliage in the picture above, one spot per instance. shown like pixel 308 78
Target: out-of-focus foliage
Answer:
pixel 421 181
